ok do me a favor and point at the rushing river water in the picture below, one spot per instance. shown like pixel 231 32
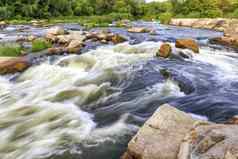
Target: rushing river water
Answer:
pixel 89 106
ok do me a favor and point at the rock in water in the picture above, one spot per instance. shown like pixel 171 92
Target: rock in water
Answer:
pixel 172 134
pixel 161 135
pixel 3 24
pixel 164 51
pixel 187 44
pixel 13 65
pixel 57 30
pixel 116 39
pixel 138 30
pixel 226 40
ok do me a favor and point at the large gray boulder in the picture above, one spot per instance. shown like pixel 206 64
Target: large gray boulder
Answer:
pixel 161 135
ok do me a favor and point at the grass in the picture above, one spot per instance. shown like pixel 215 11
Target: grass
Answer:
pixel 10 49
pixel 40 44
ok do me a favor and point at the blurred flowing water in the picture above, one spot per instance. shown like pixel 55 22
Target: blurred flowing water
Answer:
pixel 90 105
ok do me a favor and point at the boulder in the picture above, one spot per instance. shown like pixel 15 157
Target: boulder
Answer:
pixel 210 141
pixel 226 41
pixel 3 24
pixel 51 38
pixel 187 44
pixel 13 65
pixel 172 134
pixel 116 39
pixel 138 30
pixel 73 35
pixel 55 51
pixel 57 30
pixel 164 51
pixel 106 37
pixel 161 135
pixel 233 120
pixel 74 46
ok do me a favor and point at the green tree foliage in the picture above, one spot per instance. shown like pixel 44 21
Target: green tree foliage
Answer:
pixel 17 9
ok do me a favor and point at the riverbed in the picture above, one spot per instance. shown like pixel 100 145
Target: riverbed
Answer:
pixel 89 106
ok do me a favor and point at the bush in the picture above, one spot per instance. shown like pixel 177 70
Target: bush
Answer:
pixel 165 17
pixel 40 44
pixel 5 13
pixel 211 13
pixel 10 49
pixel 193 15
pixel 235 14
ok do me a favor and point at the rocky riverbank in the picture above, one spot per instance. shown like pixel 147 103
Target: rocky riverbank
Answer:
pixel 172 134
pixel 228 26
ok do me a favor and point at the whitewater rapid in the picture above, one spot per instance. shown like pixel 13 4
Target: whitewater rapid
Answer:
pixel 41 111
pixel 89 106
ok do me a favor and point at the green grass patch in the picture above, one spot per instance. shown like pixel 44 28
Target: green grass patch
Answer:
pixel 10 49
pixel 40 44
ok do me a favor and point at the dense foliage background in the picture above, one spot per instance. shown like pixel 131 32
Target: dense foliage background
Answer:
pixel 14 9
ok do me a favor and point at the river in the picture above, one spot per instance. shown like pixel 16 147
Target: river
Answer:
pixel 89 106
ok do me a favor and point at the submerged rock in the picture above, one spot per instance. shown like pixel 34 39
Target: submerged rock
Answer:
pixel 187 44
pixel 172 134
pixel 164 51
pixel 13 65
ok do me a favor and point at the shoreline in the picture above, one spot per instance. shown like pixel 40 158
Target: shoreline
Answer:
pixel 227 26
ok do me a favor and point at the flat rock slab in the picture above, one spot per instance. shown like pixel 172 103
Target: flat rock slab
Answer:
pixel 161 135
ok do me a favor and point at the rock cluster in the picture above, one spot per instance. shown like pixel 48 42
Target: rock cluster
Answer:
pixel 228 26
pixel 166 50
pixel 73 41
pixel 173 134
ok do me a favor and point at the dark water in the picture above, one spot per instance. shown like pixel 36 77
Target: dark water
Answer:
pixel 205 85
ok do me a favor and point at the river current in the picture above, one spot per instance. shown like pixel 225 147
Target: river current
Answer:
pixel 89 106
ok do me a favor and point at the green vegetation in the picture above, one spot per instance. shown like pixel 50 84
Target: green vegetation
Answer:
pixel 10 49
pixel 40 44
pixel 102 12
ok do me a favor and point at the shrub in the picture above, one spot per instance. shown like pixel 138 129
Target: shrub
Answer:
pixel 40 44
pixel 165 17
pixel 193 15
pixel 235 14
pixel 10 49
pixel 211 13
